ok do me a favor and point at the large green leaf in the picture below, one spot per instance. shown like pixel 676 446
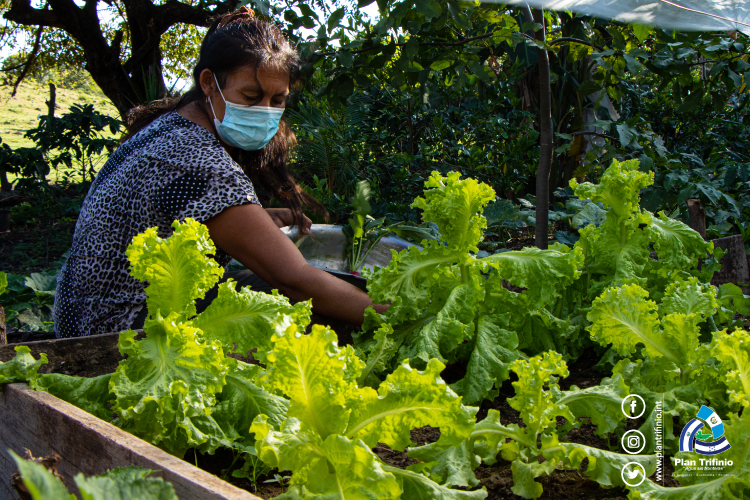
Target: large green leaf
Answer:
pixel 625 317
pixel 418 486
pixel 177 269
pixel 408 280
pixel 453 323
pixel 494 350
pixel 604 466
pixel 601 403
pixel 688 297
pixel 40 482
pixel 124 485
pixel 89 394
pixel 168 378
pixel 22 368
pixel 543 273
pixel 454 465
pixel 406 400
pixel 676 244
pixel 455 205
pixel 733 351
pixel 247 319
pixel 309 370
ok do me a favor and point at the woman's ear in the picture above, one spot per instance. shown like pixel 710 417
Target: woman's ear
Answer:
pixel 208 85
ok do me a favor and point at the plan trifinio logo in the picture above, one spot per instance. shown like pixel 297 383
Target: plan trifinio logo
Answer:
pixel 693 439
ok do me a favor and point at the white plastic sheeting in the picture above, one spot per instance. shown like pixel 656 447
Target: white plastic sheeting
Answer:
pixel 682 15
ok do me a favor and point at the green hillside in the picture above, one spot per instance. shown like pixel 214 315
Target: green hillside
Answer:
pixel 19 113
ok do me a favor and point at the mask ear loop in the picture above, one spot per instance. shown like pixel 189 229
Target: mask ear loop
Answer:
pixel 220 93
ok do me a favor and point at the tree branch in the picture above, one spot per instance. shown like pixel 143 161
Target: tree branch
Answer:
pixel 21 12
pixel 585 132
pixel 575 40
pixel 29 61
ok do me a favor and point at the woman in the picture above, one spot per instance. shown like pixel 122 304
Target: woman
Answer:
pixel 192 158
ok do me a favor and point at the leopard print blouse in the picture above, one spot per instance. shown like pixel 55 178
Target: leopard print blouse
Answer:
pixel 171 170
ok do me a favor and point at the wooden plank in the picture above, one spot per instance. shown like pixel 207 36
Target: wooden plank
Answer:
pixel 734 266
pixel 45 424
pixel 81 356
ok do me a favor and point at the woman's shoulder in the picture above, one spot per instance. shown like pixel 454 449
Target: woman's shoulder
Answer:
pixel 183 144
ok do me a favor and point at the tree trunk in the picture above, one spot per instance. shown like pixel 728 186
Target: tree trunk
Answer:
pixel 140 78
pixel 734 267
pixel 546 134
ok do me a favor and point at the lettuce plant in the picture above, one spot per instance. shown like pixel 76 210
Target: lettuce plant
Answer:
pixel 450 305
pixel 535 449
pixel 332 423
pixel 123 483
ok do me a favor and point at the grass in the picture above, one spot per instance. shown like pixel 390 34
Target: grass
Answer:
pixel 21 113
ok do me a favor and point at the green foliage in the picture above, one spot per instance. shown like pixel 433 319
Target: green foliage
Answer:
pixel 116 484
pixel 332 423
pixel 540 402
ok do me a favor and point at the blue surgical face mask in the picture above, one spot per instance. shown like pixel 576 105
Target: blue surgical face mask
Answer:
pixel 246 127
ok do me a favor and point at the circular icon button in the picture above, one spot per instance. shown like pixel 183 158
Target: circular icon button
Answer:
pixel 633 442
pixel 630 405
pixel 633 474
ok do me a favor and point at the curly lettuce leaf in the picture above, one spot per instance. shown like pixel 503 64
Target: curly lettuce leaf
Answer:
pixel 40 482
pixel 543 273
pixel 676 244
pixel 406 400
pixel 618 188
pixel 23 367
pixel 733 351
pixel 689 297
pixel 625 317
pixel 89 394
pixel 601 403
pixel 124 485
pixel 380 351
pixel 605 466
pixel 538 407
pixel 177 268
pixel 418 486
pixel 247 319
pixel 494 350
pixel 167 379
pixel 332 468
pixel 452 466
pixel 309 370
pixel 409 280
pixel 454 322
pixel 456 206
pixel 243 399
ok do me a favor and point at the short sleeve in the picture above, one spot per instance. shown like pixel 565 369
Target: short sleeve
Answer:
pixel 200 195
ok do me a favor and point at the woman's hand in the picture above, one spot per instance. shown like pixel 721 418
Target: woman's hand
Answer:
pixel 283 217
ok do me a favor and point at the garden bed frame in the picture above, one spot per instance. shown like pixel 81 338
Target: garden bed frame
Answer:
pixel 44 424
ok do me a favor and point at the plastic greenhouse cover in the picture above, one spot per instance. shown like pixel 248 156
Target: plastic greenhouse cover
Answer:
pixel 683 15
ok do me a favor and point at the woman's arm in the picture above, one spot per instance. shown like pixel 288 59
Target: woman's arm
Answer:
pixel 283 217
pixel 247 233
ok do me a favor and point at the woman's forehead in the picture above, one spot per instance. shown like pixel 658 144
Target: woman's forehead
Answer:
pixel 270 78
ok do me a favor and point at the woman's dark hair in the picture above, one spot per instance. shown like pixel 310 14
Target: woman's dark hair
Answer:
pixel 235 40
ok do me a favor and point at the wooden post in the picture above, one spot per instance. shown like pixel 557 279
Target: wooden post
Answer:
pixel 51 102
pixel 734 268
pixel 3 328
pixel 697 216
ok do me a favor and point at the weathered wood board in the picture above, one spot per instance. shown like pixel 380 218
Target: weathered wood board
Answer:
pixel 45 424
pixel 81 356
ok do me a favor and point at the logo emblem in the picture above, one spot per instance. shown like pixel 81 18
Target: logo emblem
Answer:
pixel 694 439
pixel 633 474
